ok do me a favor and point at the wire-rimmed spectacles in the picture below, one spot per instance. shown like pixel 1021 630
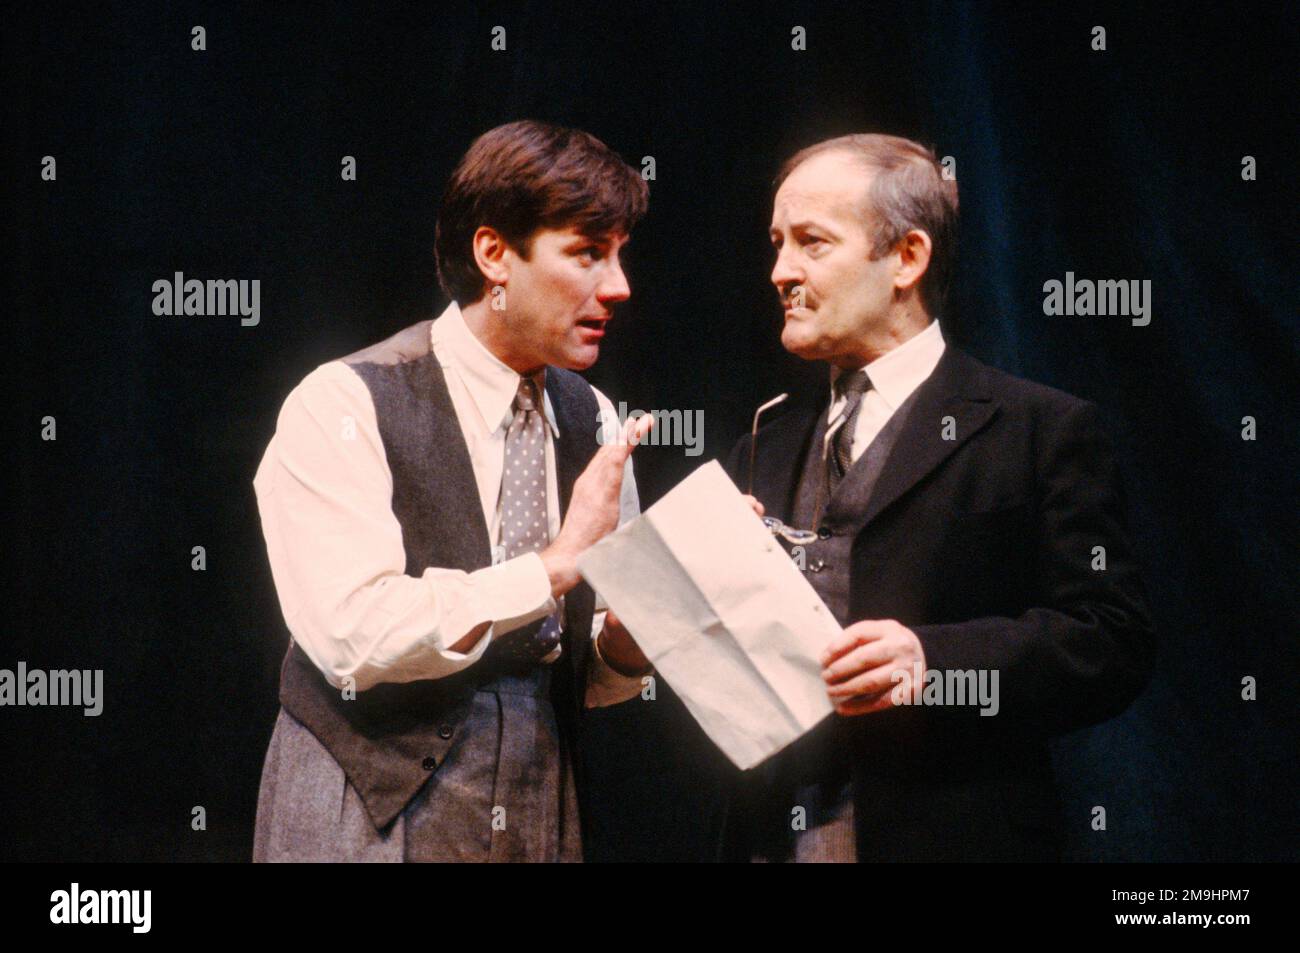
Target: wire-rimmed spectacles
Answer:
pixel 796 537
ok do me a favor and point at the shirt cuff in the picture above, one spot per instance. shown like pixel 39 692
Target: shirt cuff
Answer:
pixel 508 595
pixel 604 685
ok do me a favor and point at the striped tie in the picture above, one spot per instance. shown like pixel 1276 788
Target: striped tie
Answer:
pixel 851 386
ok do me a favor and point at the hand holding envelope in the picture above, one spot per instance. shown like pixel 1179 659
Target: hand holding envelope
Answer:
pixel 722 612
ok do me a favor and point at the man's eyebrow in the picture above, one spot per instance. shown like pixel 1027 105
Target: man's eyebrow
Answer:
pixel 608 239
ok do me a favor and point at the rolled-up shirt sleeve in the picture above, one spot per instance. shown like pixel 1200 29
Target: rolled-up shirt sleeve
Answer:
pixel 324 493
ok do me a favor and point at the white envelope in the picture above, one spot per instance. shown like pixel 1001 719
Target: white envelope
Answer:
pixel 719 607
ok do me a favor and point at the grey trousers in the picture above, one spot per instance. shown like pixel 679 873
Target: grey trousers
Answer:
pixel 504 792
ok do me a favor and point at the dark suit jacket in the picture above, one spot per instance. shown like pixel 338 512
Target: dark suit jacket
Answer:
pixel 984 546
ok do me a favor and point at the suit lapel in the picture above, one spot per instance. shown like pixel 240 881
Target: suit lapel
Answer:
pixel 957 389
pixel 782 446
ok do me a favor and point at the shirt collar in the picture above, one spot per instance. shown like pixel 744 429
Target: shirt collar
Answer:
pixel 492 384
pixel 895 374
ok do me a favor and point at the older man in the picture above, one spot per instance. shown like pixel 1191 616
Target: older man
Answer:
pixel 969 533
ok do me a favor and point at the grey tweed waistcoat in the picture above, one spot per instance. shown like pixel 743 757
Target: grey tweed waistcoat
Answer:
pixel 391 737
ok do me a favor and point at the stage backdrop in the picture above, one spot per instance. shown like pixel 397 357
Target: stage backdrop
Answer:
pixel 1160 149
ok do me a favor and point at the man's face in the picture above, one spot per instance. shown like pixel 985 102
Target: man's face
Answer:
pixel 834 295
pixel 560 298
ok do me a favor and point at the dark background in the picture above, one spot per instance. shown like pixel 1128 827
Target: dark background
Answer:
pixel 1121 164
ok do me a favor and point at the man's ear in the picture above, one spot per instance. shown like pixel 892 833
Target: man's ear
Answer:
pixel 913 259
pixel 490 255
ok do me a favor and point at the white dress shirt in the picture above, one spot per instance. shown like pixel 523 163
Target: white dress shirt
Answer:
pixel 894 375
pixel 324 492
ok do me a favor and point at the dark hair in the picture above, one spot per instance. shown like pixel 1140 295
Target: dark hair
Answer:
pixel 909 190
pixel 526 176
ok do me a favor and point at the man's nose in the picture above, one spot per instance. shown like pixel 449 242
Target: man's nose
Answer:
pixel 613 285
pixel 786 272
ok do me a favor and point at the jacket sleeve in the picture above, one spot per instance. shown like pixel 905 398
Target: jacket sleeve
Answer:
pixel 1086 649
pixel 737 462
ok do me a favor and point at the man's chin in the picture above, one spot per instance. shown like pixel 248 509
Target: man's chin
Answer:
pixel 578 358
pixel 799 345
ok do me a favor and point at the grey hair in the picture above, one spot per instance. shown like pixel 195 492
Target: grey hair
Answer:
pixel 909 191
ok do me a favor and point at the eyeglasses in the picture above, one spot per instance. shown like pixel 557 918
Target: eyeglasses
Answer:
pixel 796 537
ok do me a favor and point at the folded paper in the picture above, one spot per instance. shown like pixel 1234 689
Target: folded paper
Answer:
pixel 719 607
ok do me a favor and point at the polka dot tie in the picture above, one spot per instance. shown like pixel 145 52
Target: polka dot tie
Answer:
pixel 525 527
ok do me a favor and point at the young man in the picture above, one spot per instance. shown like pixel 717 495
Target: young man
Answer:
pixel 424 502
pixel 957 513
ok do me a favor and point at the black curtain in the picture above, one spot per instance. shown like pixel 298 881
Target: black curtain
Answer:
pixel 1122 163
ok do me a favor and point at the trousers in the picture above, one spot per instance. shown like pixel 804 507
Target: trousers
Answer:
pixel 504 792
